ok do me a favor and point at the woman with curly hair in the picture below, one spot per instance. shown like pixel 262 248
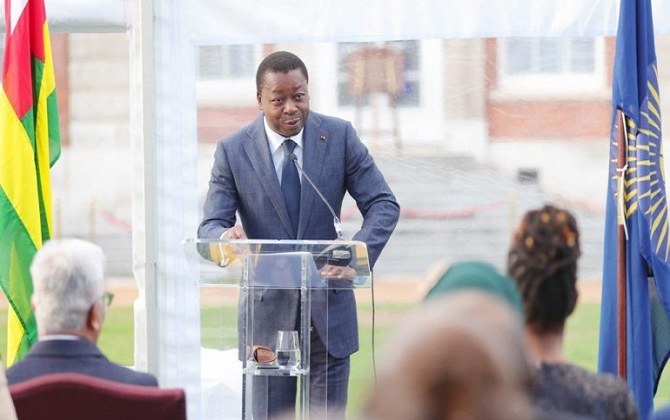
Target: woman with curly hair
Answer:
pixel 542 261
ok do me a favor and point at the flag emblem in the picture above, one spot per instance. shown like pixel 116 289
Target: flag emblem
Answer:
pixel 645 179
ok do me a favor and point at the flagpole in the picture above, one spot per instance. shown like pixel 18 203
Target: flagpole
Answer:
pixel 621 250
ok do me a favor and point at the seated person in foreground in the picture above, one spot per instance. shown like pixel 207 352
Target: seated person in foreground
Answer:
pixel 457 356
pixel 477 275
pixel 69 301
pixel 7 411
pixel 543 262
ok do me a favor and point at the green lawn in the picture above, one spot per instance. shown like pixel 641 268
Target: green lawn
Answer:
pixel 581 347
pixel 581 341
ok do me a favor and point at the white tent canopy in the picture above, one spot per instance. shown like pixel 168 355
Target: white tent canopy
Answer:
pixel 84 16
pixel 321 21
pixel 163 35
pixel 264 21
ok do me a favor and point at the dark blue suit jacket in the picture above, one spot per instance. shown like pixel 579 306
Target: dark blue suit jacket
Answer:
pixel 244 182
pixel 76 356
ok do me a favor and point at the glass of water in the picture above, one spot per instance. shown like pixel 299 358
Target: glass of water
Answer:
pixel 288 349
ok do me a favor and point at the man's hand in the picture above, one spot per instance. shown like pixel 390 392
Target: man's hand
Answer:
pixel 235 232
pixel 335 272
pixel 227 253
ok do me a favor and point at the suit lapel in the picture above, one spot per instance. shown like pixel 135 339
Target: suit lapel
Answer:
pixel 259 154
pixel 315 143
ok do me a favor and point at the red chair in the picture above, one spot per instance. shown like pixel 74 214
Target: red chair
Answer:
pixel 73 396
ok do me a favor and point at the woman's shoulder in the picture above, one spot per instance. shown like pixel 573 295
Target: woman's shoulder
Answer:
pixel 576 374
pixel 599 395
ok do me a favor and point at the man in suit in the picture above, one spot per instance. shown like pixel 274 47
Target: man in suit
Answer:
pixel 251 177
pixel 69 301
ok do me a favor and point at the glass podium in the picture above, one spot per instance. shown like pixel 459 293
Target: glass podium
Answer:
pixel 284 288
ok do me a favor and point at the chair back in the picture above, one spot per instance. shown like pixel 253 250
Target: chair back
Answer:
pixel 74 396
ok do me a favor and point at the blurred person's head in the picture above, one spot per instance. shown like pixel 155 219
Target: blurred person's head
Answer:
pixel 543 262
pixel 458 356
pixel 477 275
pixel 69 288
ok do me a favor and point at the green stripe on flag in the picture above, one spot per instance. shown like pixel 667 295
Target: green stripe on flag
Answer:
pixel 28 122
pixel 16 253
pixel 54 130
pixel 38 73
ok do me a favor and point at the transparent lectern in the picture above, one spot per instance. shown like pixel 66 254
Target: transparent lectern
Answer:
pixel 283 286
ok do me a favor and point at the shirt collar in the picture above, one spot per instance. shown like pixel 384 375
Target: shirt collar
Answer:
pixel 52 337
pixel 275 140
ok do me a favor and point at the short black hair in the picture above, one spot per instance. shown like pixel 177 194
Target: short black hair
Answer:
pixel 279 62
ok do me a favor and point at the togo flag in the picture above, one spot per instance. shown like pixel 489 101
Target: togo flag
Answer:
pixel 29 146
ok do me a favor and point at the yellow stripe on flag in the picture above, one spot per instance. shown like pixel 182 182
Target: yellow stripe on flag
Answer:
pixel 48 79
pixel 18 178
pixel 15 334
pixel 47 86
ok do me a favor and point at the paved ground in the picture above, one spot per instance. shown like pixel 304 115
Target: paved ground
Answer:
pixel 390 291
pixel 385 292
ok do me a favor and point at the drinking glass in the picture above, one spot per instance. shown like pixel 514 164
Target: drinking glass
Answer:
pixel 288 349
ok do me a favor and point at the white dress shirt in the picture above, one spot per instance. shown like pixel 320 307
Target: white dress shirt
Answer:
pixel 275 141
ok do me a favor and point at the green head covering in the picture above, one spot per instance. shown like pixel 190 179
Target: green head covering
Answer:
pixel 479 276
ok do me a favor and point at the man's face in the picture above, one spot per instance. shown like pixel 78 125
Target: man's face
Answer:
pixel 285 101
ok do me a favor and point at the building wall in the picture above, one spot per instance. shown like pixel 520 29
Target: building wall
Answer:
pixel 462 113
pixel 463 95
pixel 561 133
pixel 569 120
pixel 464 75
pixel 99 94
pixel 92 181
pixel 216 123
pixel 60 52
pixel 562 113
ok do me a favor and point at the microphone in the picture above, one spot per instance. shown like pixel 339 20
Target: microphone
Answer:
pixel 335 254
pixel 336 220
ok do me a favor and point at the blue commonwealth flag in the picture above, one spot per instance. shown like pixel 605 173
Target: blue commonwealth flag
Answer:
pixel 644 209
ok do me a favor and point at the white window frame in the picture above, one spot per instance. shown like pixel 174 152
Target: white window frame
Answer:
pixel 226 91
pixel 552 85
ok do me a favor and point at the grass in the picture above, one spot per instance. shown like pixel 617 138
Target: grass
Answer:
pixel 117 341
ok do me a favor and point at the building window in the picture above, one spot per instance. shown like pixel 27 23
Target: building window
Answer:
pixel 396 68
pixel 550 56
pixel 551 63
pixel 226 74
pixel 225 62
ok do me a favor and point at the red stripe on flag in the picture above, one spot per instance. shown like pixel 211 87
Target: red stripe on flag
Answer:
pixel 37 18
pixel 17 71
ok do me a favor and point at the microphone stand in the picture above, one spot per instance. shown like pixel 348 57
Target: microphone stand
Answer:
pixel 336 220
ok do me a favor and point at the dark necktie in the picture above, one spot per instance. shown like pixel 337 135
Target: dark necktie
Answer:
pixel 290 184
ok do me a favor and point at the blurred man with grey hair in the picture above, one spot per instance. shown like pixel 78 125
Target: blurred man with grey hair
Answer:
pixel 70 302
